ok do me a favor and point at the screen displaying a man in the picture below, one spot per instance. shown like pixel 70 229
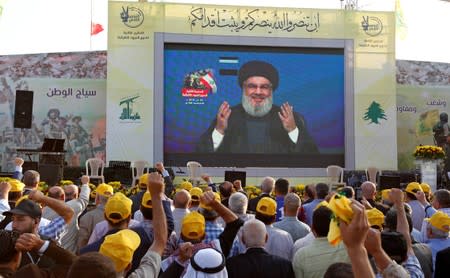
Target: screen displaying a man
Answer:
pixel 257 125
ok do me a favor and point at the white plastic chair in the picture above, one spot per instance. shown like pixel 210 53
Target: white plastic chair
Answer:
pixel 371 174
pixel 335 174
pixel 138 168
pixel 194 171
pixel 94 169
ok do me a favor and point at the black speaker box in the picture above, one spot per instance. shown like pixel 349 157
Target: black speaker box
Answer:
pixel 23 111
pixel 231 176
pixel 50 173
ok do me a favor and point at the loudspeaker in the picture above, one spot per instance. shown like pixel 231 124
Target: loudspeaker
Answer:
pixel 23 111
pixel 50 173
pixel 231 176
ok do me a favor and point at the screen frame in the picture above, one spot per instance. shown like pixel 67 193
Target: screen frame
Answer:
pixel 160 39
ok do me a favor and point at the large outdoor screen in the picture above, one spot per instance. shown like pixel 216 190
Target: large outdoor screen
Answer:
pixel 199 77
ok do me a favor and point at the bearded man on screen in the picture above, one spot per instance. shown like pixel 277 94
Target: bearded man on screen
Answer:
pixel 257 125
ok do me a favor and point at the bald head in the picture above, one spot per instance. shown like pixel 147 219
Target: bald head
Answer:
pixel 71 192
pixel 291 204
pixel 267 185
pixel 254 233
pixel 182 199
pixel 56 192
pixel 368 190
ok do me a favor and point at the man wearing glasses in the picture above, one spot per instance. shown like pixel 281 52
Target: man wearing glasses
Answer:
pixel 257 125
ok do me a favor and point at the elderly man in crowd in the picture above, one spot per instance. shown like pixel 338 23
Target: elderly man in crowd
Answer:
pixel 91 218
pixel 290 223
pixel 256 261
pixel 256 125
pixel 78 204
pixel 279 242
pixel 267 186
pixel 181 203
pixel 369 191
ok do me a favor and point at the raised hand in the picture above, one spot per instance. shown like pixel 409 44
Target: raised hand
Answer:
pixel 222 117
pixel 36 196
pixel 84 179
pixel 155 184
pixel 287 117
pixel 18 161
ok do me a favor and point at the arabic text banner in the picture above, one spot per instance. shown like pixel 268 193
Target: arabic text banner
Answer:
pixel 138 77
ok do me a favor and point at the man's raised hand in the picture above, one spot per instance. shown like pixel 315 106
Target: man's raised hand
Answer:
pixel 155 184
pixel 287 117
pixel 222 117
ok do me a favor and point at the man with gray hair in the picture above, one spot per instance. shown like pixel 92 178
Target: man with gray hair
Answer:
pixel 238 205
pixel 290 223
pixel 91 218
pixel 70 238
pixel 31 180
pixel 256 261
pixel 267 185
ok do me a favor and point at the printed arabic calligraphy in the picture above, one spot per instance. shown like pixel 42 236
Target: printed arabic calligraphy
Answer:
pixel 235 20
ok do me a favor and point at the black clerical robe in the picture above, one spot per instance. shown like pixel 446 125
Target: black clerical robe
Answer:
pixel 248 134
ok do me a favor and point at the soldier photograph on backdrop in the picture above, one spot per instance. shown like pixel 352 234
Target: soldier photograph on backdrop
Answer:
pixel 441 137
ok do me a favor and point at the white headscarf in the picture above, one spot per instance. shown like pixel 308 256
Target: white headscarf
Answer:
pixel 208 258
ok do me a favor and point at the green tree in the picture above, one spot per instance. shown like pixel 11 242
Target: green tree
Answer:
pixel 374 113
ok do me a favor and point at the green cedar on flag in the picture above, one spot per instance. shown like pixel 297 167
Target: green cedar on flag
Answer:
pixel 374 113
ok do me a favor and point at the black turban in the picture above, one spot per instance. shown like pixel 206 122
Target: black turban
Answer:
pixel 258 68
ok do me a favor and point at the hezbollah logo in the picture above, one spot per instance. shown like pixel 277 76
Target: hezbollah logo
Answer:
pixel 374 113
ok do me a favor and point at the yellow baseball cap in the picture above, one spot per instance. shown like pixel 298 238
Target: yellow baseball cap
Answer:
pixel 193 226
pixel 216 197
pixel 104 189
pixel 440 220
pixel 413 187
pixel 375 217
pixel 120 247
pixel 119 205
pixel 385 194
pixel 147 200
pixel 16 185
pixel 425 187
pixel 143 180
pixel 267 206
pixel 196 192
pixel 186 185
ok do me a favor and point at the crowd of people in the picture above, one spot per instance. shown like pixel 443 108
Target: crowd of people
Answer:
pixel 219 232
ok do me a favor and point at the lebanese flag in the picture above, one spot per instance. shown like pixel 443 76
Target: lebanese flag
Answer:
pixel 208 81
